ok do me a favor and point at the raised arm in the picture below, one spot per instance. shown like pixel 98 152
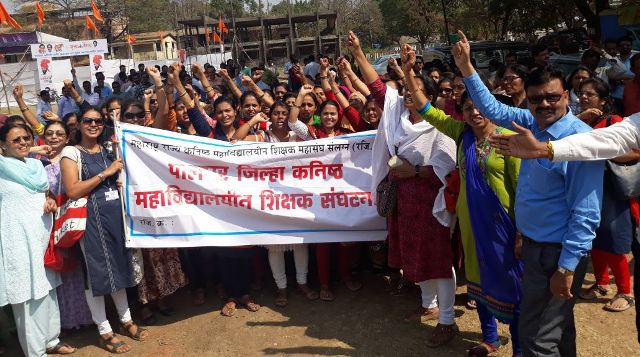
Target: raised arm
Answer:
pixel 369 75
pixel 297 126
pixel 249 83
pixel 160 120
pixel 230 83
pixel 358 85
pixel 79 88
pixel 197 70
pixel 489 106
pixel 18 94
pixel 198 120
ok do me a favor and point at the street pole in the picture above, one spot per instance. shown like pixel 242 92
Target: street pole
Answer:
pixel 446 22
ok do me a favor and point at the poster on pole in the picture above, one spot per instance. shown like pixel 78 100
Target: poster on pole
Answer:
pixel 68 49
pixel 52 73
pixel 184 191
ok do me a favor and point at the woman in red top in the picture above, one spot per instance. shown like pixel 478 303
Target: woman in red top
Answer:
pixel 619 218
pixel 328 127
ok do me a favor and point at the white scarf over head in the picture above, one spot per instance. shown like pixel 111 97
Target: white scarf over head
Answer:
pixel 419 144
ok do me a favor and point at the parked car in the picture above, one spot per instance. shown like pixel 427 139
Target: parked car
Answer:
pixel 380 65
pixel 567 41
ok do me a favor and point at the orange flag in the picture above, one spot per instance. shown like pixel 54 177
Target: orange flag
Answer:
pixel 40 13
pixel 161 38
pixel 96 11
pixel 6 19
pixel 222 28
pixel 131 39
pixel 91 25
pixel 216 38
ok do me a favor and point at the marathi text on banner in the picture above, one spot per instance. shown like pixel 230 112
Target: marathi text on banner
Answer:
pixel 68 48
pixel 181 190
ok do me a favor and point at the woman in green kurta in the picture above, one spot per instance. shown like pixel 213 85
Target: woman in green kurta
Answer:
pixel 498 173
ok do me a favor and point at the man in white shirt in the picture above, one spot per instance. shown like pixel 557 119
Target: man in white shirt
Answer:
pixel 43 106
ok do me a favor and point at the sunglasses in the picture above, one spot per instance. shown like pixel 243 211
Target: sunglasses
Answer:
pixel 19 139
pixel 89 121
pixel 52 133
pixel 153 101
pixel 550 98
pixel 509 79
pixel 131 116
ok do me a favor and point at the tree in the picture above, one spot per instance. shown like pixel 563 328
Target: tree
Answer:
pixel 149 15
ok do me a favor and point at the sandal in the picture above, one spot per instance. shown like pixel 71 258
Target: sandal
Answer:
pixel 593 292
pixel 484 349
pixel 353 285
pixel 326 295
pixel 442 334
pixel 629 299
pixel 249 304
pixel 471 304
pixel 199 297
pixel 113 347
pixel 56 350
pixel 139 335
pixel 229 309
pixel 309 293
pixel 425 314
pixel 281 298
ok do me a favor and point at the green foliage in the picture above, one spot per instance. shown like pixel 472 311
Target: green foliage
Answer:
pixel 149 15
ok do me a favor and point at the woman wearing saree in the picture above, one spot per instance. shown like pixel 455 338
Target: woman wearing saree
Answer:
pixel 485 209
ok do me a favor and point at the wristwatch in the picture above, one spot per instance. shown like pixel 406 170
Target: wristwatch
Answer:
pixel 564 271
pixel 101 176
pixel 417 170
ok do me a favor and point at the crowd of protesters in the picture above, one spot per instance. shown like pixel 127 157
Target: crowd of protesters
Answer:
pixel 523 234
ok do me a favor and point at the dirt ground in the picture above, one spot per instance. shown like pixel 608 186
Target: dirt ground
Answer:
pixel 370 322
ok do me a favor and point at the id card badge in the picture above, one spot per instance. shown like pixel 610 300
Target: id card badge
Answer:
pixel 111 195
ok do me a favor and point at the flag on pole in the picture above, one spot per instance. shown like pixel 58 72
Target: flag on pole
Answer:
pixel 91 25
pixel 222 28
pixel 161 38
pixel 6 19
pixel 40 13
pixel 216 38
pixel 96 11
pixel 131 39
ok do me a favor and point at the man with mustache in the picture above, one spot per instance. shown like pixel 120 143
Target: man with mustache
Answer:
pixel 557 207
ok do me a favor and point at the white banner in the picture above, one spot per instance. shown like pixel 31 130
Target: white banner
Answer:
pixel 68 49
pixel 52 73
pixel 184 191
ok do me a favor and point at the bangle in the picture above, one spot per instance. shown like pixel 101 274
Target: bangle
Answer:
pixel 263 93
pixel 183 94
pixel 549 150
pixel 24 109
pixel 208 88
pixel 323 77
pixel 147 111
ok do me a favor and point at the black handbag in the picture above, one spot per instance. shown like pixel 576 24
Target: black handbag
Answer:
pixel 387 197
pixel 624 179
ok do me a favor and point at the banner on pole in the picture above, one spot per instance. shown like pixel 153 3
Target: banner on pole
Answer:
pixel 183 191
pixel 68 49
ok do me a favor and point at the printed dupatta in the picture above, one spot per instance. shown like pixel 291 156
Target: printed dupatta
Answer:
pixel 494 233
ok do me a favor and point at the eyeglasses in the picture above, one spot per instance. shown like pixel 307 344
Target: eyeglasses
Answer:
pixel 550 98
pixel 95 121
pixel 588 94
pixel 52 133
pixel 131 116
pixel 446 90
pixel 27 139
pixel 509 79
